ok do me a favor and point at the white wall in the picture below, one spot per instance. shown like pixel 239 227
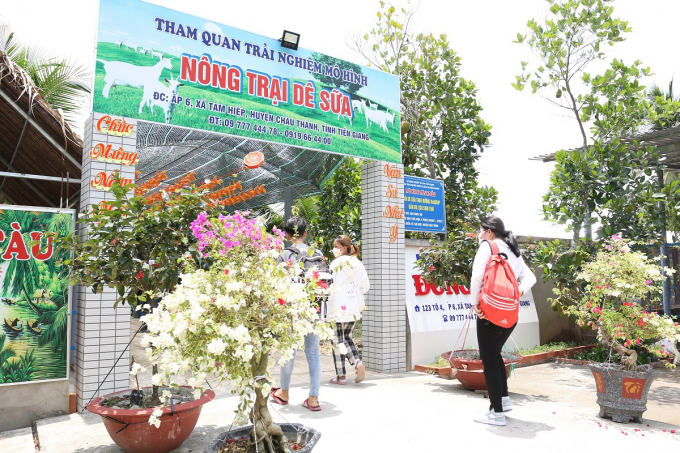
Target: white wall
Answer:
pixel 433 331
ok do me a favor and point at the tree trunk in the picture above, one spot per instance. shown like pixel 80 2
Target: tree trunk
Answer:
pixel 30 302
pixel 268 435
pixel 628 356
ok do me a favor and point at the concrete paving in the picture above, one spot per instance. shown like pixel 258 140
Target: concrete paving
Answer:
pixel 554 409
pixel 17 441
pixel 554 404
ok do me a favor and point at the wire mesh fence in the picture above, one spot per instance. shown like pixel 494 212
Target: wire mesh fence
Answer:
pixel 178 151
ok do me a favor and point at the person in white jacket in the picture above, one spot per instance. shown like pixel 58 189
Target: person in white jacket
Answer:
pixel 492 337
pixel 345 304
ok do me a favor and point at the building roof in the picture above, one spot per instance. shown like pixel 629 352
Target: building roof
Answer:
pixel 36 144
pixel 667 142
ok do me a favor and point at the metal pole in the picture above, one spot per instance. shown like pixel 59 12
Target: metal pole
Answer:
pixel 664 250
pixel 288 203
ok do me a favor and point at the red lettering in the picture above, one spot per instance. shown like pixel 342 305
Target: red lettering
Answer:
pixel 234 80
pixel 437 290
pixel 324 97
pixel 298 93
pixel 309 95
pixel 188 66
pixel 422 288
pixel 17 246
pixel 35 250
pixel 252 77
pixel 262 86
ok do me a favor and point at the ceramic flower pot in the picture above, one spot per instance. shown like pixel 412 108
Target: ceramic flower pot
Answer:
pixel 621 394
pixel 131 431
pixel 295 432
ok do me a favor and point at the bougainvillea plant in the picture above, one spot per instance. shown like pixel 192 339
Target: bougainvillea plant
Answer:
pixel 231 319
pixel 139 242
pixel 616 280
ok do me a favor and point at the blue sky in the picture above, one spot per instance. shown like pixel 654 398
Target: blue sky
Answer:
pixel 134 20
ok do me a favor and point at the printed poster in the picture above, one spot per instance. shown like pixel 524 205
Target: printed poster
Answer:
pixel 34 295
pixel 159 65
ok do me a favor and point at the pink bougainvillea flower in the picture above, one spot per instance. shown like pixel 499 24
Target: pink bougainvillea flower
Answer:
pixel 289 263
pixel 315 274
pixel 322 284
pixel 282 302
pixel 628 304
pixel 230 441
pixel 344 307
pixel 616 237
pixel 226 272
pixel 431 268
pixel 648 282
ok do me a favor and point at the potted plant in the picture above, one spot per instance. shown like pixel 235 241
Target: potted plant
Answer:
pixel 231 319
pixel 614 280
pixel 470 369
pixel 139 243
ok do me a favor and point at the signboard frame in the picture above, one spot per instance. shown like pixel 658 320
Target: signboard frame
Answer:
pixel 439 216
pixel 248 110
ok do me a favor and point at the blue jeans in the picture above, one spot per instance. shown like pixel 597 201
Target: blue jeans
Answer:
pixel 313 361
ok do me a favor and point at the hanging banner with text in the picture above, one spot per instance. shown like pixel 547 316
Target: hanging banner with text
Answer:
pixel 431 308
pixel 156 64
pixel 424 206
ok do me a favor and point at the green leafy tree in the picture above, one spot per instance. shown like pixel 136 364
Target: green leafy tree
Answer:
pixel 604 180
pixel 443 133
pixel 342 66
pixel 339 207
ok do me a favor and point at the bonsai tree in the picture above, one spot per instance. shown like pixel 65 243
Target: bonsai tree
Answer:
pixel 616 280
pixel 140 242
pixel 231 318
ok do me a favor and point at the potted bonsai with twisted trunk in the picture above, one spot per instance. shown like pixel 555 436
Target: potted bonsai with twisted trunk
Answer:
pixel 235 319
pixel 139 244
pixel 613 281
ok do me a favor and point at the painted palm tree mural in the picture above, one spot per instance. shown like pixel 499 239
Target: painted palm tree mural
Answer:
pixel 34 302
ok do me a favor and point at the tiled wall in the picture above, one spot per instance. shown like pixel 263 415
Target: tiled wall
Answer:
pixel 102 332
pixel 384 322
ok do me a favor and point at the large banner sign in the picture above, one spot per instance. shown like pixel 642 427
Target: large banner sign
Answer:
pixel 424 207
pixel 431 308
pixel 159 65
pixel 35 302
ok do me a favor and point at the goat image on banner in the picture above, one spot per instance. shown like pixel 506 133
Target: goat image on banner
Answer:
pixel 158 65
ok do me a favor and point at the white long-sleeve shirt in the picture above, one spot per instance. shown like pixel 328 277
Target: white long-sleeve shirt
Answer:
pixel 526 278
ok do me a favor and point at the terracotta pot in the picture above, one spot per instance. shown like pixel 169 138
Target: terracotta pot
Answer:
pixel 470 372
pixel 130 430
pixel 621 394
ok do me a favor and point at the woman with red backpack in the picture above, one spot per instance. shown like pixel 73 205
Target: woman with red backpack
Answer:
pixel 495 295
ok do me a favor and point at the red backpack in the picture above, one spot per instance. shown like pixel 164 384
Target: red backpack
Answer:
pixel 499 299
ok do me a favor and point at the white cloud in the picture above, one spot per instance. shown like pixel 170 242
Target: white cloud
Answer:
pixel 212 28
pixel 153 42
pixel 104 32
pixel 178 48
pixel 122 33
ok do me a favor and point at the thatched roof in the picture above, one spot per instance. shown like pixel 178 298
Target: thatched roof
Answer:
pixel 36 141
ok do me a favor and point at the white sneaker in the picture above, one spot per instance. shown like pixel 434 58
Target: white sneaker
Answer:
pixel 507 405
pixel 492 418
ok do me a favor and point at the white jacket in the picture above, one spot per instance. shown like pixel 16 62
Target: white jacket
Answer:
pixel 526 278
pixel 350 283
